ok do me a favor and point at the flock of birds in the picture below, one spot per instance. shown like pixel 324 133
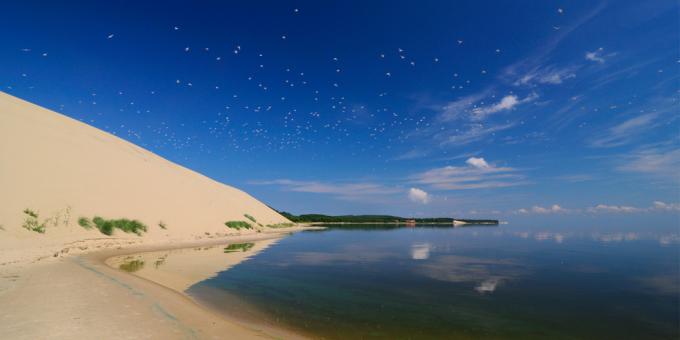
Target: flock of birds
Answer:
pixel 278 107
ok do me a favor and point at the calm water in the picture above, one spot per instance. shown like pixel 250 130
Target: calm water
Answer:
pixel 473 282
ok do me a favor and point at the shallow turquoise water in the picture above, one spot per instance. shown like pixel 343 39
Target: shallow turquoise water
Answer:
pixel 449 283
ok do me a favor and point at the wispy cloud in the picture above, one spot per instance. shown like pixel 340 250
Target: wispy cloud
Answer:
pixel 478 174
pixel 533 62
pixel 661 160
pixel 598 56
pixel 347 191
pixel 625 131
pixel 595 56
pixel 546 75
pixel 471 133
pixel 506 103
pixel 554 209
pixel 657 206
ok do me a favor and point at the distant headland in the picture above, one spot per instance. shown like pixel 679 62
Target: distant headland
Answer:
pixel 379 219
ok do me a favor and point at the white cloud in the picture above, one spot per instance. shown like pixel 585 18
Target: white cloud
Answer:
pixel 418 196
pixel 662 206
pixel 595 56
pixel 546 75
pixel 554 209
pixel 506 103
pixel 613 209
pixel 478 174
pixel 479 163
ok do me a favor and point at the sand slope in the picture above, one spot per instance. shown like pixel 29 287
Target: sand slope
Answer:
pixel 65 169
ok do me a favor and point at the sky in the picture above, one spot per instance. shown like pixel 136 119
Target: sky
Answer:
pixel 518 110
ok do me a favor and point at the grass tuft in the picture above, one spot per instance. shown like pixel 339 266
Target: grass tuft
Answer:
pixel 250 217
pixel 31 222
pixel 106 227
pixel 132 266
pixel 238 225
pixel 31 213
pixel 162 225
pixel 85 223
pixel 281 225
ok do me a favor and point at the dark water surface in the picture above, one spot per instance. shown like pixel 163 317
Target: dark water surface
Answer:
pixel 458 283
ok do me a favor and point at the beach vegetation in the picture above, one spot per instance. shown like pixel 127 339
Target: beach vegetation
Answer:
pixel 250 217
pixel 236 247
pixel 85 223
pixel 107 227
pixel 31 213
pixel 132 266
pixel 162 225
pixel 31 222
pixel 281 225
pixel 238 225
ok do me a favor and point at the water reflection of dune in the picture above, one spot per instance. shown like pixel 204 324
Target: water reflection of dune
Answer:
pixel 179 269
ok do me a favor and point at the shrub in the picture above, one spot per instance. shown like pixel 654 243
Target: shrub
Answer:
pixel 238 225
pixel 31 213
pixel 250 218
pixel 162 225
pixel 85 223
pixel 31 222
pixel 132 266
pixel 106 227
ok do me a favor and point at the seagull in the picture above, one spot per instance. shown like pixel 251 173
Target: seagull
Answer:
pixel 176 28
pixel 559 10
pixel 460 42
pixel 110 36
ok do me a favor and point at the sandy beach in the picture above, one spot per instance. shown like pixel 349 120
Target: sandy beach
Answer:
pixel 82 297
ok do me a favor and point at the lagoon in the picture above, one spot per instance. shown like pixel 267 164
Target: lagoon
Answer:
pixel 433 282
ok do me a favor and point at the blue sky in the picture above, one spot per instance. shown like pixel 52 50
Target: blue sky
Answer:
pixel 509 109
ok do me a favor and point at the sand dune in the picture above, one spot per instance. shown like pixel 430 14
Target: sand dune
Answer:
pixel 64 169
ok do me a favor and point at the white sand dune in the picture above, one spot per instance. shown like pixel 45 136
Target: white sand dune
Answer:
pixel 64 169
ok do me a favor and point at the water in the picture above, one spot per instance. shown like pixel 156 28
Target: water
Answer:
pixel 459 283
